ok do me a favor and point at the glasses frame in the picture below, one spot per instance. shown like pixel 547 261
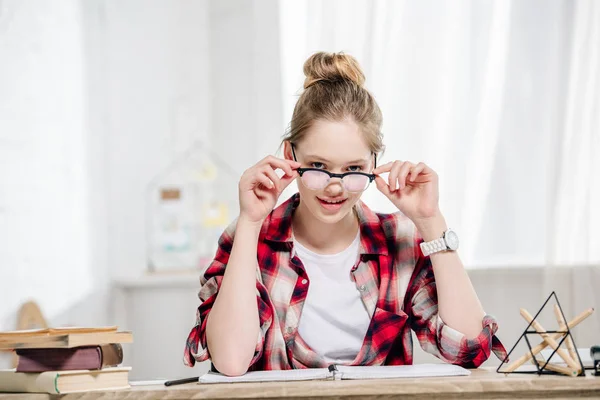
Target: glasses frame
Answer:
pixel 371 177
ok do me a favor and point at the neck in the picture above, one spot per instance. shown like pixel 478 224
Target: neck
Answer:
pixel 323 237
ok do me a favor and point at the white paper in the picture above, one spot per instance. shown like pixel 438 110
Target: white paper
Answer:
pixel 269 376
pixel 344 372
pixel 148 383
pixel 401 371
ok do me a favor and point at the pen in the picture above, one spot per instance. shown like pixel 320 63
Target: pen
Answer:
pixel 182 381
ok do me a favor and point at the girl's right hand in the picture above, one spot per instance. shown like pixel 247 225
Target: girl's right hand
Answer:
pixel 260 187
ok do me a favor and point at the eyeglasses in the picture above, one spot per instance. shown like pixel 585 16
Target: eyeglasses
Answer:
pixel 317 179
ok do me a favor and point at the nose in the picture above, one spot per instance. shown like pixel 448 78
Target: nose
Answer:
pixel 335 187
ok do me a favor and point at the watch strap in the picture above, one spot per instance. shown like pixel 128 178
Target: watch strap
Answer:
pixel 433 246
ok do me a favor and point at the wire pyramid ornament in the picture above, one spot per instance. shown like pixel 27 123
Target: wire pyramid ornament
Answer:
pixel 569 364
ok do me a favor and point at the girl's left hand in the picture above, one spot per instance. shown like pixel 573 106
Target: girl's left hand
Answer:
pixel 412 188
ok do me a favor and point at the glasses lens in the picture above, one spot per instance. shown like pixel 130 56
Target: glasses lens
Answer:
pixel 315 180
pixel 356 182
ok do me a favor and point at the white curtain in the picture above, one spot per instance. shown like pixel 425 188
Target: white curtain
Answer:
pixel 501 98
pixel 575 198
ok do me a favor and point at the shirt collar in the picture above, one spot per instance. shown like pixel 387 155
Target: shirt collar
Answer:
pixel 373 239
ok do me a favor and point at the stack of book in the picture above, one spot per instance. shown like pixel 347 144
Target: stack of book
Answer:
pixel 65 360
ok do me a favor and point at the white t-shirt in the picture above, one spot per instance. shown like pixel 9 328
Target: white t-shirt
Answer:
pixel 334 320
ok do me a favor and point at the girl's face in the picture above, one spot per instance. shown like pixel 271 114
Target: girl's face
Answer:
pixel 336 147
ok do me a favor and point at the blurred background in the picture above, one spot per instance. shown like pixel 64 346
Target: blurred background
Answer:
pixel 125 126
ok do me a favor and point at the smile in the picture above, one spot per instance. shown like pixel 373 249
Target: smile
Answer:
pixel 334 203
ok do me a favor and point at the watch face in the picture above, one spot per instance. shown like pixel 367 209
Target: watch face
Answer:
pixel 451 240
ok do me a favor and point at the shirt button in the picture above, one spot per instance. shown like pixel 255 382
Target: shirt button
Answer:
pixel 304 281
pixel 362 288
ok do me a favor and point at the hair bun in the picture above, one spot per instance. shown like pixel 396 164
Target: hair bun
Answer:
pixel 332 67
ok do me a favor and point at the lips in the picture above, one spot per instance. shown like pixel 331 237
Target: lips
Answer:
pixel 332 201
pixel 331 205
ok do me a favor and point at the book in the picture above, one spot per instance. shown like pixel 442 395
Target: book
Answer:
pixel 86 357
pixel 63 339
pixel 59 382
pixel 9 335
pixel 339 372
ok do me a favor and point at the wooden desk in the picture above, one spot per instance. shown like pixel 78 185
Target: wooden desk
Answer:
pixel 482 384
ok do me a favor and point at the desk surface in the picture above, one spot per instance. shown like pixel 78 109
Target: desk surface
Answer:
pixel 482 384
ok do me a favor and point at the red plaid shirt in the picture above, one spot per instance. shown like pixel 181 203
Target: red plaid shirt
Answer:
pixel 395 280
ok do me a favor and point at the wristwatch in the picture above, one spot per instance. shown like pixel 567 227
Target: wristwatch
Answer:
pixel 448 241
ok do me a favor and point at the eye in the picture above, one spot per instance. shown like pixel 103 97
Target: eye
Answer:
pixel 355 168
pixel 318 165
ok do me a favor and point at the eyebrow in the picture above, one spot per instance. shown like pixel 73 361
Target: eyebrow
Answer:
pixel 358 161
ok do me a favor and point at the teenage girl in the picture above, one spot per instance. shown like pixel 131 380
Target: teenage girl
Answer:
pixel 322 279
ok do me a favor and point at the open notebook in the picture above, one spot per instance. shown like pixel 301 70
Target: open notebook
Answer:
pixel 341 372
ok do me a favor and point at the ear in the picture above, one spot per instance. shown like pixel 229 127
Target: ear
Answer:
pixel 287 150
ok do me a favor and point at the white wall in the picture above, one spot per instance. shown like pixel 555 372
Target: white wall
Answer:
pixel 51 248
pixel 96 98
pixel 176 73
pixel 157 92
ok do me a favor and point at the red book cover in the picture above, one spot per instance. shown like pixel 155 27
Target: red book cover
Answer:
pixel 86 357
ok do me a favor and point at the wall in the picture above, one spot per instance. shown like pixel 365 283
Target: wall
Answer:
pixel 96 99
pixel 177 73
pixel 50 213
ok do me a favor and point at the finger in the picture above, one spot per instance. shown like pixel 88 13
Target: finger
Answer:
pixel 286 180
pixel 286 165
pixel 262 179
pixel 382 186
pixel 393 176
pixel 272 176
pixel 426 175
pixel 416 170
pixel 383 168
pixel 263 193
pixel 275 163
pixel 294 164
pixel 403 173
pixel 249 179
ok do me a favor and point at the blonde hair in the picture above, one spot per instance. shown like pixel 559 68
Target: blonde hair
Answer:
pixel 334 91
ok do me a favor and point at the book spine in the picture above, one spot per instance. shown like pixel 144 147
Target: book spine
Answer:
pixel 89 358
pixel 111 355
pixel 14 382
